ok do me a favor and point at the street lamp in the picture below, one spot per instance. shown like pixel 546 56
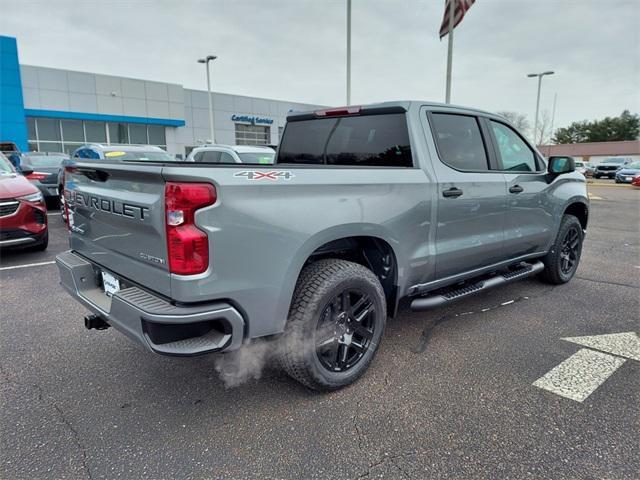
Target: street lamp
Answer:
pixel 539 75
pixel 206 61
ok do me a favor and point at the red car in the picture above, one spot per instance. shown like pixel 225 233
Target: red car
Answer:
pixel 636 181
pixel 23 213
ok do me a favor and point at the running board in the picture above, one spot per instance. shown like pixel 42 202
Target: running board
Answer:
pixel 432 301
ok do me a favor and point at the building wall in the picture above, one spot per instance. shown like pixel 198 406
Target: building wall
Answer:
pixel 12 124
pixel 55 93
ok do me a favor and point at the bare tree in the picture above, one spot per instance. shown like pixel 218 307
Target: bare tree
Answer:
pixel 518 120
pixel 543 134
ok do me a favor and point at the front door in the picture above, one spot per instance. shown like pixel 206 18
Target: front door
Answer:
pixel 529 223
pixel 471 198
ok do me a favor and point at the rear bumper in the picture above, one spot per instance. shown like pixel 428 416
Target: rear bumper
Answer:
pixel 151 320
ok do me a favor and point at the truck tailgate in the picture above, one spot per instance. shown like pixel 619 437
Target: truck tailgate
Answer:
pixel 116 214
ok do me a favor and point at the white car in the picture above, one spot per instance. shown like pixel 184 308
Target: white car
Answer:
pixel 232 154
pixel 581 167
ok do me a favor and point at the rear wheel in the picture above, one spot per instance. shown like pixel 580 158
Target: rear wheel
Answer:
pixel 562 260
pixel 335 324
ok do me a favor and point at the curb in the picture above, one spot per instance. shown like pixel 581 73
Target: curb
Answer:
pixel 616 185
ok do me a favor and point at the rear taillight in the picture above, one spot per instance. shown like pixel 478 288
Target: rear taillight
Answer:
pixel 64 198
pixel 187 245
pixel 38 175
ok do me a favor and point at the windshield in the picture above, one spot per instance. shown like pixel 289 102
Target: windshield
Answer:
pixel 614 160
pixel 44 160
pixel 5 165
pixel 141 155
pixel 257 157
pixel 634 165
pixel 579 164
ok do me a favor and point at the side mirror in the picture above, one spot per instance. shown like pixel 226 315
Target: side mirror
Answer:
pixel 26 170
pixel 560 165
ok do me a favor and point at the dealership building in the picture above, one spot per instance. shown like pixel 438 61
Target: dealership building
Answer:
pixel 48 109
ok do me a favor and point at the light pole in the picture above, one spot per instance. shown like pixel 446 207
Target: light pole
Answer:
pixel 206 61
pixel 348 52
pixel 539 75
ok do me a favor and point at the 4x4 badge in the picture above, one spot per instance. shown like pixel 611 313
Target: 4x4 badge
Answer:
pixel 273 175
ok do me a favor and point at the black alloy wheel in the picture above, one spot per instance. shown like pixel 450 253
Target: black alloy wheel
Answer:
pixel 345 329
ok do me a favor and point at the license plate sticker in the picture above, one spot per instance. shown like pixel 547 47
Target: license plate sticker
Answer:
pixel 111 284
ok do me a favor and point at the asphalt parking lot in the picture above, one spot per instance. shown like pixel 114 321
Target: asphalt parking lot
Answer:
pixel 450 394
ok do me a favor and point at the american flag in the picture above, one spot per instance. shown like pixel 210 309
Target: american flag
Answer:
pixel 460 8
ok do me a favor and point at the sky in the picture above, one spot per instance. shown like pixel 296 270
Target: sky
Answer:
pixel 296 49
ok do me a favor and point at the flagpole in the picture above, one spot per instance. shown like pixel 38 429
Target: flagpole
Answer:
pixel 450 49
pixel 348 52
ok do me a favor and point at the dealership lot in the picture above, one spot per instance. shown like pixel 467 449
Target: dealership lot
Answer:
pixel 450 394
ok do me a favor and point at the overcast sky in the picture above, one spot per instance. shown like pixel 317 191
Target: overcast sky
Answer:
pixel 295 49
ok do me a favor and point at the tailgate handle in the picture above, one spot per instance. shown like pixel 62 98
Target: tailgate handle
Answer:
pixel 93 174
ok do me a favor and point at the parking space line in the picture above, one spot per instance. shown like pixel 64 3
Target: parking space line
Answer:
pixel 27 265
pixel 580 375
pixel 51 214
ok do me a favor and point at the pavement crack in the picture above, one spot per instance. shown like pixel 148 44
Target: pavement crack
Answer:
pixel 67 423
pixel 356 426
pixel 604 282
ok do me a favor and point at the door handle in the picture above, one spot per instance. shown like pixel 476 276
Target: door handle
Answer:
pixel 452 192
pixel 516 189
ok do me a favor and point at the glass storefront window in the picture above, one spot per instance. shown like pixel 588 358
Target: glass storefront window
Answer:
pixel 31 126
pixel 138 134
pixel 49 130
pixel 72 131
pixel 50 147
pixel 157 135
pixel 96 132
pixel 118 133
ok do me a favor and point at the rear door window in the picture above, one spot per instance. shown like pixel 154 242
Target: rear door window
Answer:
pixel 459 141
pixel 207 156
pixel 515 154
pixel 363 140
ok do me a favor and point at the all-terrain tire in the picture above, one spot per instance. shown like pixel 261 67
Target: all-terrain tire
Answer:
pixel 553 262
pixel 318 285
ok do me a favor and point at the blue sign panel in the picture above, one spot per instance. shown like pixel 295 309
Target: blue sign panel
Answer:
pixel 13 126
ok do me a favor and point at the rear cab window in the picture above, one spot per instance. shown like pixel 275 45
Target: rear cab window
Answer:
pixel 374 140
pixel 460 142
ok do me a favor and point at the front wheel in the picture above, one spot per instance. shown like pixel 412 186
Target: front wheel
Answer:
pixel 562 260
pixel 336 321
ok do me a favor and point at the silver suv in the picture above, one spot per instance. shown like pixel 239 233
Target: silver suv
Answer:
pixel 232 154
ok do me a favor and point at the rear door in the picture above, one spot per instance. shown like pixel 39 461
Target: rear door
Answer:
pixel 529 219
pixel 116 215
pixel 471 198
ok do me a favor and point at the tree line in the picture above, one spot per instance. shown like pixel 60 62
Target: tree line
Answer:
pixel 626 126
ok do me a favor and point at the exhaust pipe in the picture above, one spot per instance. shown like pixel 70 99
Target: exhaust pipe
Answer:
pixel 95 321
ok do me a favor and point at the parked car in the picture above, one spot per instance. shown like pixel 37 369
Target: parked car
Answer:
pixel 581 167
pixel 626 173
pixel 590 168
pixel 46 169
pixel 232 154
pixel 636 181
pixel 11 152
pixel 23 212
pixel 608 167
pixel 364 206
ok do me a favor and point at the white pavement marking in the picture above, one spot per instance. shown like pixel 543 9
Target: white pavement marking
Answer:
pixel 579 375
pixel 53 213
pixel 27 265
pixel 625 344
pixel 594 197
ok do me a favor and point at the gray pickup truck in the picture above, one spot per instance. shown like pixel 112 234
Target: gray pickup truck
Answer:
pixel 364 206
